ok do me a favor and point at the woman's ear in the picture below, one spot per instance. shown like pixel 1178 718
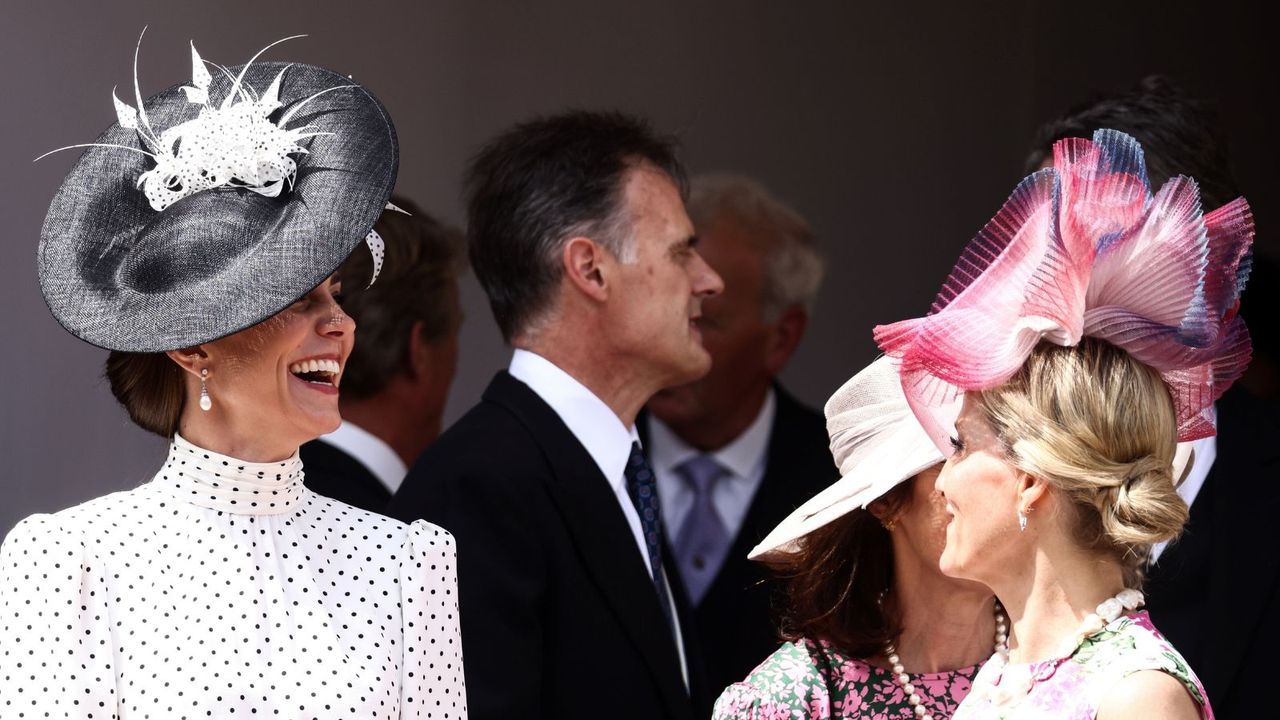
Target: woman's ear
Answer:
pixel 1031 490
pixel 192 359
pixel 881 510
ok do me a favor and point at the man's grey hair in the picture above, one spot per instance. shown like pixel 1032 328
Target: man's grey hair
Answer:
pixel 793 266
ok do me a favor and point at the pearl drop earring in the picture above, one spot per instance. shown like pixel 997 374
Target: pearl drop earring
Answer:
pixel 205 401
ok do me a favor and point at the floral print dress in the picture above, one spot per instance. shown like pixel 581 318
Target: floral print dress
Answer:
pixel 811 679
pixel 1072 688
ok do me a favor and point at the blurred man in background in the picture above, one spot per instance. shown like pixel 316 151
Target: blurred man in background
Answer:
pixel 734 453
pixel 396 382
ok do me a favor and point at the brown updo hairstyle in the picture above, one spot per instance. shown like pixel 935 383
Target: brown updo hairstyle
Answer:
pixel 150 387
pixel 1100 427
pixel 833 583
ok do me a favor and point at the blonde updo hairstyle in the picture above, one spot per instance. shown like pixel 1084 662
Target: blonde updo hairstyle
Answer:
pixel 1100 427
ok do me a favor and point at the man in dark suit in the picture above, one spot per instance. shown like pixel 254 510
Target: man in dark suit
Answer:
pixel 1215 592
pixel 396 381
pixel 578 233
pixel 733 451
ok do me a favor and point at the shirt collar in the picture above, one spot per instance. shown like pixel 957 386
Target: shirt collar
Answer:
pixel 370 451
pixel 741 456
pixel 592 422
pixel 227 484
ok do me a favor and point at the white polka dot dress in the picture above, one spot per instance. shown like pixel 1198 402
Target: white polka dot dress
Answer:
pixel 226 589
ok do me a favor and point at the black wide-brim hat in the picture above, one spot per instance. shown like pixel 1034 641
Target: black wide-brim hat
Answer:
pixel 123 276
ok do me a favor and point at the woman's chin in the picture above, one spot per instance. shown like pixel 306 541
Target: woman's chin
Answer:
pixel 329 424
pixel 316 419
pixel 949 564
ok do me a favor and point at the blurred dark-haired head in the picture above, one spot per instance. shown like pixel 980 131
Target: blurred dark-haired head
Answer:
pixel 418 286
pixel 1180 135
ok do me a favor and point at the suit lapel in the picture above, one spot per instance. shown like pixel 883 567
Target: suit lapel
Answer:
pixel 601 535
pixel 336 473
pixel 778 494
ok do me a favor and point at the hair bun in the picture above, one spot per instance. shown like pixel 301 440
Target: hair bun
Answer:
pixel 1143 507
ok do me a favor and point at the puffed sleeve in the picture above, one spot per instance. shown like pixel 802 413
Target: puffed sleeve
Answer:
pixel 55 639
pixel 742 701
pixel 786 685
pixel 432 679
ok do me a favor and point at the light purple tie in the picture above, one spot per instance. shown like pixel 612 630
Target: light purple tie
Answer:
pixel 703 541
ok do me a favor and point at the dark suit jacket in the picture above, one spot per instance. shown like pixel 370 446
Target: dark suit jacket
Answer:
pixel 734 622
pixel 1215 593
pixel 559 615
pixel 333 473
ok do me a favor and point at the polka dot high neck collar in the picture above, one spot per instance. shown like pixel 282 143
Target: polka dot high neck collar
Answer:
pixel 219 482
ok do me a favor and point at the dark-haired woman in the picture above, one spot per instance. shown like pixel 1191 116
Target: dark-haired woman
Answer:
pixel 873 628
pixel 198 242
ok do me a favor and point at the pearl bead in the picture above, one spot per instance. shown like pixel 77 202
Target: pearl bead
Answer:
pixel 205 403
pixel 1001 654
pixel 1130 598
pixel 1110 610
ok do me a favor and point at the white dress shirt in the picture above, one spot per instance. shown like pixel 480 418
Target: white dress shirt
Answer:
pixel 370 451
pixel 744 458
pixel 605 438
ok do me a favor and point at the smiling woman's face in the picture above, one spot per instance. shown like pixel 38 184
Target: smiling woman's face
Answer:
pixel 980 488
pixel 275 385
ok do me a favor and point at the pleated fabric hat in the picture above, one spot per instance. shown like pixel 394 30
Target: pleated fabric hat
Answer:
pixel 1086 248
pixel 876 442
pixel 213 205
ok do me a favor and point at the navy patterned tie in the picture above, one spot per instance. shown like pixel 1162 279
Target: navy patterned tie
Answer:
pixel 642 487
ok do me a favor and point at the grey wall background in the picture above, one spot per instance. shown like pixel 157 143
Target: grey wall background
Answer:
pixel 896 128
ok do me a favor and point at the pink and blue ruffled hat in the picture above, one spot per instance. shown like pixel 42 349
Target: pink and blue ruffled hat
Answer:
pixel 1085 248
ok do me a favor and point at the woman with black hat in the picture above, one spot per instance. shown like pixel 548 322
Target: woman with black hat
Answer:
pixel 197 240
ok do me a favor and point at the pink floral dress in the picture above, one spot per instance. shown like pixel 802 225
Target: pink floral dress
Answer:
pixel 811 679
pixel 1072 688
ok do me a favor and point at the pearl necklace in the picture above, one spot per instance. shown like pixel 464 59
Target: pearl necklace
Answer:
pixel 1107 612
pixel 900 672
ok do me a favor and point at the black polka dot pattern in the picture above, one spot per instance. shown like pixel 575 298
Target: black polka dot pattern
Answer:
pixel 226 589
pixel 378 249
